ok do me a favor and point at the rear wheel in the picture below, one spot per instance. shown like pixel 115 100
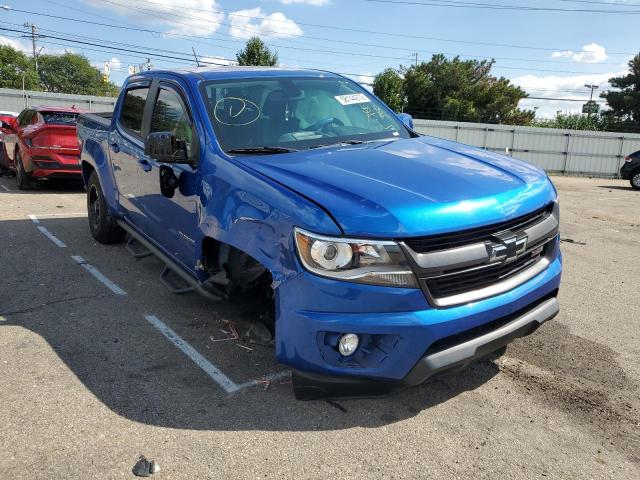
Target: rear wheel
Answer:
pixel 635 180
pixel 102 224
pixel 23 179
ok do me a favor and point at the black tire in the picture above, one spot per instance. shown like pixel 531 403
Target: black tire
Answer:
pixel 102 224
pixel 4 165
pixel 22 178
pixel 635 180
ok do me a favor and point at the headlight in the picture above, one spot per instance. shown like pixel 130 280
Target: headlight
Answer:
pixel 363 261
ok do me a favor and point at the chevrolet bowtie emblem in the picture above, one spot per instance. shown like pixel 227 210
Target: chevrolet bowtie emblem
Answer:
pixel 508 246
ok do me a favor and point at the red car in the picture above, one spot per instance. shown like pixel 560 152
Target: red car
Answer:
pixel 42 143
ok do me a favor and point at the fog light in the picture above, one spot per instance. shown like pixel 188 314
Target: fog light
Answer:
pixel 348 344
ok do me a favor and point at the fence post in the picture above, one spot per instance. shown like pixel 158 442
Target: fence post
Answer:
pixel 566 153
pixel 513 141
pixel 620 156
pixel 457 127
pixel 486 134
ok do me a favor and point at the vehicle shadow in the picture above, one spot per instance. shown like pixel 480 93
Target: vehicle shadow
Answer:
pixel 133 370
pixel 626 188
pixel 44 186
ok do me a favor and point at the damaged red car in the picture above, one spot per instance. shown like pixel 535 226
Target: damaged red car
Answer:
pixel 42 144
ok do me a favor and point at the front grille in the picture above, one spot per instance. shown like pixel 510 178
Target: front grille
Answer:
pixel 475 235
pixel 455 283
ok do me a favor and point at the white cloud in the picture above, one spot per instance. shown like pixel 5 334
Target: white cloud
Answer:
pixel 592 53
pixel 252 22
pixel 193 17
pixel 315 3
pixel 568 87
pixel 17 44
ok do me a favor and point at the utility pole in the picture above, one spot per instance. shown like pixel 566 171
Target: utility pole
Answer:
pixel 416 57
pixel 34 37
pixel 592 87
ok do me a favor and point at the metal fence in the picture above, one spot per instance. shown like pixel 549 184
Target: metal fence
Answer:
pixel 576 152
pixel 17 100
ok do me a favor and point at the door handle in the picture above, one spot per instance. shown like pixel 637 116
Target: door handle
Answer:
pixel 146 166
pixel 115 147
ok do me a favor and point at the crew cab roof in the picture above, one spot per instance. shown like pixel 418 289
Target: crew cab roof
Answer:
pixel 234 72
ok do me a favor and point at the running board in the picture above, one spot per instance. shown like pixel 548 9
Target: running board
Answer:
pixel 133 246
pixel 171 265
pixel 166 280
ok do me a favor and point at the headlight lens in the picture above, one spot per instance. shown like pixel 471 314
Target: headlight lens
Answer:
pixel 362 261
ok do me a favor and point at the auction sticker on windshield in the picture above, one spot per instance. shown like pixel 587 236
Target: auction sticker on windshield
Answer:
pixel 352 99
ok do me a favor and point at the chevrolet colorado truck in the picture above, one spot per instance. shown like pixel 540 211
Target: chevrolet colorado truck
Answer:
pixel 390 256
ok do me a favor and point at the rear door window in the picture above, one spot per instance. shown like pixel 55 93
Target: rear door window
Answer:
pixel 133 109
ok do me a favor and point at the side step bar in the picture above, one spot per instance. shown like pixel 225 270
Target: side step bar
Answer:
pixel 170 264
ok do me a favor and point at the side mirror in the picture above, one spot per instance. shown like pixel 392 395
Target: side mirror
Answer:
pixel 406 119
pixel 166 148
pixel 6 125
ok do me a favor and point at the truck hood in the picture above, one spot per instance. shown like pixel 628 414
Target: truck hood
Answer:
pixel 410 187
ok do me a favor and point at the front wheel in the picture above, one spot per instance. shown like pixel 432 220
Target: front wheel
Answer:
pixel 102 224
pixel 635 180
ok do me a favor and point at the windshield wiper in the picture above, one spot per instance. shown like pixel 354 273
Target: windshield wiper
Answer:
pixel 344 142
pixel 262 150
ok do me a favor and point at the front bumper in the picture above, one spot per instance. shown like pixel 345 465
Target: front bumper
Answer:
pixel 628 168
pixel 399 329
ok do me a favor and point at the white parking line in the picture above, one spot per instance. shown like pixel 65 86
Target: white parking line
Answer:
pixel 52 237
pixel 34 219
pixel 99 276
pixel 46 215
pixel 7 188
pixel 209 368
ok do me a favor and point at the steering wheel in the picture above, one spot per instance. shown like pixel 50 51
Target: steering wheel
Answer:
pixel 324 123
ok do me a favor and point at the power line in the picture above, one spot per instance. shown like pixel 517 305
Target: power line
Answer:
pixel 332 27
pixel 494 6
pixel 322 51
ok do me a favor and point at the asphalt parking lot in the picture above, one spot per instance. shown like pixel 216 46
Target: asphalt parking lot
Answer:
pixel 99 364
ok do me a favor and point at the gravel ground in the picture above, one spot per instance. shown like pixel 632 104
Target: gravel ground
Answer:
pixel 87 384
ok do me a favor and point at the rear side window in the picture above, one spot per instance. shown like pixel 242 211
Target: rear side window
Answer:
pixel 133 109
pixel 169 115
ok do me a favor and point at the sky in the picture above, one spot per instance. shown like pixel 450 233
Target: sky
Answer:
pixel 550 48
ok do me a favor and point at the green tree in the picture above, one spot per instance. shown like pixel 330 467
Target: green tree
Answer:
pixel 625 103
pixel 578 121
pixel 257 53
pixel 14 67
pixel 463 90
pixel 72 73
pixel 388 86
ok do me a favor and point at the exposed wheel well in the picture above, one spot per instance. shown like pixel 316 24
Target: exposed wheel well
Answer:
pixel 242 270
pixel 242 277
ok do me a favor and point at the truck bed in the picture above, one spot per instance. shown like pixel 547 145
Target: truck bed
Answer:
pixel 94 126
pixel 97 120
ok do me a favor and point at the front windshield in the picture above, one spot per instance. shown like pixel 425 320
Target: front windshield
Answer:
pixel 296 113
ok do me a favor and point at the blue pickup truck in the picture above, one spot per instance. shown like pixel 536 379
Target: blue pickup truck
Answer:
pixel 389 256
